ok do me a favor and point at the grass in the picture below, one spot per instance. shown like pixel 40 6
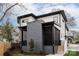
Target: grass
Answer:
pixel 29 54
pixel 72 53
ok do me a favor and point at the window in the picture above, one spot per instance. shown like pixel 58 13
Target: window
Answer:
pixel 56 19
pixel 24 43
pixel 22 21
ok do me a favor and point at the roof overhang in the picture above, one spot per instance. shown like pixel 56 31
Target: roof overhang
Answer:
pixel 44 15
pixel 24 28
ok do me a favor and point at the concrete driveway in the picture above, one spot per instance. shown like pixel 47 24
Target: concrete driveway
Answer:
pixel 73 47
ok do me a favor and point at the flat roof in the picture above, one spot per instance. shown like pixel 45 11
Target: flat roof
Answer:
pixel 43 15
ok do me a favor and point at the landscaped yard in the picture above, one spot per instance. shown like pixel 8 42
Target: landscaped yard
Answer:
pixel 72 53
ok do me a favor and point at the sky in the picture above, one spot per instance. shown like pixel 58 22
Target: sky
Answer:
pixel 42 8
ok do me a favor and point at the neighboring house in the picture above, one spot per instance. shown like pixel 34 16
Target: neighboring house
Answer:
pixel 70 36
pixel 48 32
pixel 74 35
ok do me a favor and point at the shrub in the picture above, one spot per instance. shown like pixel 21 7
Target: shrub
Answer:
pixel 77 42
pixel 31 44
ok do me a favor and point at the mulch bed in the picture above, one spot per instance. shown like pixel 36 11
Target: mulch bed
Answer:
pixel 15 49
pixel 25 54
pixel 37 53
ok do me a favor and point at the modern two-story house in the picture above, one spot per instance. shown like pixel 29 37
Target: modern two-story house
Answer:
pixel 48 31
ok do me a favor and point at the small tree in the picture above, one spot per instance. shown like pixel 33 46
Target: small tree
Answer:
pixel 6 32
pixel 31 44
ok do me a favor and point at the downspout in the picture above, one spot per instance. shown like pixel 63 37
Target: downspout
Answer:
pixel 65 36
pixel 21 40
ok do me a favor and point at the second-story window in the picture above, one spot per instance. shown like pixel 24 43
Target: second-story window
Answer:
pixel 22 21
pixel 56 19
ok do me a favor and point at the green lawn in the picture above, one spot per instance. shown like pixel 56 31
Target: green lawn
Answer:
pixel 72 53
pixel 28 54
pixel 21 54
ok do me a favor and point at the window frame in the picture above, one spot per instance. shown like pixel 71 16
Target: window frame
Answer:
pixel 57 19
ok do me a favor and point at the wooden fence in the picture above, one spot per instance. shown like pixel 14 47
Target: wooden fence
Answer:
pixel 4 46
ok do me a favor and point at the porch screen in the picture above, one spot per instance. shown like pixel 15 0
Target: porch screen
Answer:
pixel 47 35
pixel 56 36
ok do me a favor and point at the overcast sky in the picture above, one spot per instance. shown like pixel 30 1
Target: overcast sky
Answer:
pixel 41 8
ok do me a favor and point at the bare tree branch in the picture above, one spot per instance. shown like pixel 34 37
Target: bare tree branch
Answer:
pixel 7 11
pixel 22 6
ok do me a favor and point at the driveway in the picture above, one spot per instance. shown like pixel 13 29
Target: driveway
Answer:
pixel 73 47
